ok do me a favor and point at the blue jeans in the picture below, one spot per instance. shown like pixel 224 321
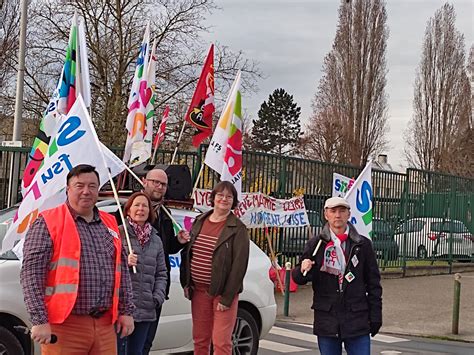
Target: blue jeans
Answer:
pixel 354 346
pixel 135 342
pixel 152 332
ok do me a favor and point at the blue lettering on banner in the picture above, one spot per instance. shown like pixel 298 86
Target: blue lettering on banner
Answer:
pixel 337 185
pixel 364 197
pixel 67 134
pixel 175 261
pixel 277 220
pixel 57 168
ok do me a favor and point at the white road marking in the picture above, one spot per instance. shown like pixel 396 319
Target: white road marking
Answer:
pixel 293 334
pixel 390 352
pixel 388 339
pixel 279 347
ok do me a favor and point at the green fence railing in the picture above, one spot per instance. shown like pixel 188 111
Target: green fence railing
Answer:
pixel 420 217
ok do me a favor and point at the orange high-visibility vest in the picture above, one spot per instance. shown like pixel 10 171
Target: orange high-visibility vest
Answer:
pixel 62 280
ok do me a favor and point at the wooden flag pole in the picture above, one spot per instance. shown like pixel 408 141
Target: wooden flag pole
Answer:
pixel 177 144
pixel 122 218
pixel 273 259
pixel 198 178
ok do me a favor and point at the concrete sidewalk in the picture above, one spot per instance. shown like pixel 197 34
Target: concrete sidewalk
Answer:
pixel 421 306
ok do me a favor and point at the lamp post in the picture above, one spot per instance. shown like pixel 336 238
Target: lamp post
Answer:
pixel 16 136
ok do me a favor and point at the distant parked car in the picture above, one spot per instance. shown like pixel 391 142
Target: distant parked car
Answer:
pixel 293 240
pixel 385 246
pixel 434 237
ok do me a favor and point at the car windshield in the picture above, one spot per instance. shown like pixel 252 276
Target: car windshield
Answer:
pixel 381 227
pixel 449 227
pixel 411 226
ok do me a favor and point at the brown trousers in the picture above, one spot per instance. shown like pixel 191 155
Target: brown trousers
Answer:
pixel 80 335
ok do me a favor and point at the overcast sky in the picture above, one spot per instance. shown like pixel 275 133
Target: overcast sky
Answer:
pixel 290 39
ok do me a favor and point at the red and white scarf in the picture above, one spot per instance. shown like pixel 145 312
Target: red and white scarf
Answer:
pixel 334 259
pixel 143 233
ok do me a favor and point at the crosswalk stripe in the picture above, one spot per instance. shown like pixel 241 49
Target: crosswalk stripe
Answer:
pixel 388 339
pixel 279 347
pixel 293 334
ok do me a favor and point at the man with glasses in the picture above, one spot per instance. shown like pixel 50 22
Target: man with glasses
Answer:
pixel 155 184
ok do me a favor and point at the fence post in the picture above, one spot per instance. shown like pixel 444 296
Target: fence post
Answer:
pixel 456 302
pixel 286 304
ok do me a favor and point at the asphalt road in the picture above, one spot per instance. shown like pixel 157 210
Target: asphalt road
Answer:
pixel 290 338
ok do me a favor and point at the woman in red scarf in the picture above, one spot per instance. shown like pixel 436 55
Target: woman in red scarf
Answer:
pixel 149 282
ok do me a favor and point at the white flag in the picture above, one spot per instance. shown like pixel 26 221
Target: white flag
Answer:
pixel 360 198
pixel 140 96
pixel 225 150
pixel 75 142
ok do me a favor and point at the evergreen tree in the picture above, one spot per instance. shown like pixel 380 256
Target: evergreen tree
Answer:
pixel 277 129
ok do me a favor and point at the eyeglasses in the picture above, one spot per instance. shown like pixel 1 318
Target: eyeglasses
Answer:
pixel 224 197
pixel 157 183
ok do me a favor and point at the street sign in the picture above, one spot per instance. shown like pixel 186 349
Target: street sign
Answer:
pixel 12 144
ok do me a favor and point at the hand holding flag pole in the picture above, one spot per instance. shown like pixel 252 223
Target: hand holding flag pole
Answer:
pixel 314 254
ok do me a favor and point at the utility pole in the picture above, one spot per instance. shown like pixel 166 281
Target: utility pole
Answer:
pixel 15 162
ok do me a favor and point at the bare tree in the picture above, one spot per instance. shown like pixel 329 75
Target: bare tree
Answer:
pixel 351 94
pixel 327 146
pixel 9 31
pixel 442 117
pixel 114 30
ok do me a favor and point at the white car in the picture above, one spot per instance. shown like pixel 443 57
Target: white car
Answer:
pixel 434 237
pixel 256 314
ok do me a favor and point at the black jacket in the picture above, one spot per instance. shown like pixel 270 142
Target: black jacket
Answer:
pixel 171 245
pixel 350 312
pixel 229 260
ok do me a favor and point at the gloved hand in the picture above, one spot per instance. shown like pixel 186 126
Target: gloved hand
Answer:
pixel 374 328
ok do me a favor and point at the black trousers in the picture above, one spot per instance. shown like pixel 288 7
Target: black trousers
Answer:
pixel 151 332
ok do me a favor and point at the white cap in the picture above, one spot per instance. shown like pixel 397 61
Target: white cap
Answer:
pixel 336 202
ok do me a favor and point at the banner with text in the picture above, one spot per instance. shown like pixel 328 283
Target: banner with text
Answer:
pixel 257 210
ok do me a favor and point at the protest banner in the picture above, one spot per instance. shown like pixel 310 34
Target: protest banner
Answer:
pixel 257 210
pixel 341 185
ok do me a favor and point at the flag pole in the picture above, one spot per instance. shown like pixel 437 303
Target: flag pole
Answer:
pixel 152 162
pixel 177 144
pixel 273 258
pixel 111 180
pixel 162 207
pixel 122 218
pixel 198 178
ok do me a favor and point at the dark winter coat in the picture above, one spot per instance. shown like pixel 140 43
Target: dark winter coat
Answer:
pixel 352 311
pixel 229 261
pixel 149 282
pixel 171 245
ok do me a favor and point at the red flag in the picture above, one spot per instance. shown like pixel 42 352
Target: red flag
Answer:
pixel 160 135
pixel 202 105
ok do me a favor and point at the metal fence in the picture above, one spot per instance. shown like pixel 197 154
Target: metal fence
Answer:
pixel 420 217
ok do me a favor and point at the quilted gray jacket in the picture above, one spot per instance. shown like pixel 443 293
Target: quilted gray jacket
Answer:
pixel 149 283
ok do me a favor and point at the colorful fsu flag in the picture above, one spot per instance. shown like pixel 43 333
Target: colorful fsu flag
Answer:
pixel 74 80
pixel 202 105
pixel 74 142
pixel 225 150
pixel 140 97
pixel 160 135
